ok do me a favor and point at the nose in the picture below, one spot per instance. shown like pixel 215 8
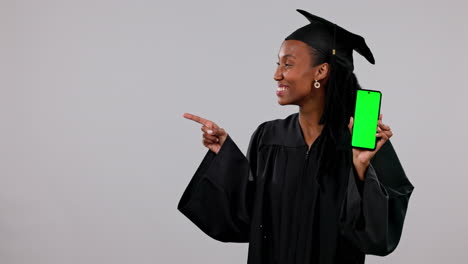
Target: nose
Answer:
pixel 278 74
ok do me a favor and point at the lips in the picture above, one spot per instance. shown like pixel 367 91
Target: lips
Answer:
pixel 281 89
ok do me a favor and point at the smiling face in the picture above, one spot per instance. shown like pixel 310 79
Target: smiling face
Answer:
pixel 296 75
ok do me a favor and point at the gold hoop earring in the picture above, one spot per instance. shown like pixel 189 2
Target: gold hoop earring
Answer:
pixel 316 84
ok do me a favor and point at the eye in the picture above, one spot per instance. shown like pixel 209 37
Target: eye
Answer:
pixel 287 65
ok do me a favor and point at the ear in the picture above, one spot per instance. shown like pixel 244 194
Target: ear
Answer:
pixel 322 71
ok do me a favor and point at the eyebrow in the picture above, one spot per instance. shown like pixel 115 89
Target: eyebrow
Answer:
pixel 288 55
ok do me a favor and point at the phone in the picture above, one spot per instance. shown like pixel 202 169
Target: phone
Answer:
pixel 366 118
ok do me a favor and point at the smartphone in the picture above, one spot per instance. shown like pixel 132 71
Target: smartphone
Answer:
pixel 366 118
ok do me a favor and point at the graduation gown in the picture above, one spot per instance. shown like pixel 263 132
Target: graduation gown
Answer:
pixel 288 209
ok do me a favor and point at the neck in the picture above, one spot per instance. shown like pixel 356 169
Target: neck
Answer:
pixel 310 114
pixel 310 122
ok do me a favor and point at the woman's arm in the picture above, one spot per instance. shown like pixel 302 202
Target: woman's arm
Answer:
pixel 374 210
pixel 219 197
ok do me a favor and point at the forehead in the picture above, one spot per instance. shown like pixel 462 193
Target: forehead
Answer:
pixel 293 48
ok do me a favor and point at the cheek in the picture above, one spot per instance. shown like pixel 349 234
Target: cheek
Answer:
pixel 304 81
pixel 293 76
pixel 299 80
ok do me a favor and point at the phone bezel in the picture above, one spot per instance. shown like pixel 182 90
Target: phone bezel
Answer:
pixel 378 114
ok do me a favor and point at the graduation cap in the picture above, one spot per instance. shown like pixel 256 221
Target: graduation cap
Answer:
pixel 332 40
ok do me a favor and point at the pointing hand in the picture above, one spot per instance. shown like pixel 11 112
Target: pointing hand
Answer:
pixel 213 136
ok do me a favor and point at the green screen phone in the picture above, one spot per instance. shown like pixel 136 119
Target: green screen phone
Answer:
pixel 366 117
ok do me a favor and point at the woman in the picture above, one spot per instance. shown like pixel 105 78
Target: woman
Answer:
pixel 303 195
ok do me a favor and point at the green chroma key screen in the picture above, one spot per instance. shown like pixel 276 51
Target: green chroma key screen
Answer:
pixel 366 116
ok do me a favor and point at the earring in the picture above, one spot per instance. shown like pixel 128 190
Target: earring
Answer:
pixel 316 84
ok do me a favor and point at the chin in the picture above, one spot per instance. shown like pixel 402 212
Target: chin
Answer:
pixel 281 102
pixel 285 102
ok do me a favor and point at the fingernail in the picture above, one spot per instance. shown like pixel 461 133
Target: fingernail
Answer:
pixel 209 131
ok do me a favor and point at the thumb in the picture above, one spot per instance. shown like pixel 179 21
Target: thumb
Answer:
pixel 217 131
pixel 350 124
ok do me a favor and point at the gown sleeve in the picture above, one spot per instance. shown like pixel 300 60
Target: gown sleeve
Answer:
pixel 219 197
pixel 374 210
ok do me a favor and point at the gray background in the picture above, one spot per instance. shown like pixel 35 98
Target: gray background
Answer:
pixel 95 154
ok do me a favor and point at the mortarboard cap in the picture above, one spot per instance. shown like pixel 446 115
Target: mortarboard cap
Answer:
pixel 332 40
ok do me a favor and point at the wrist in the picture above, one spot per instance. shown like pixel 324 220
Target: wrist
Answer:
pixel 361 168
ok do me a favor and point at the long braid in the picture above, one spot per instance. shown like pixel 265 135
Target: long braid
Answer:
pixel 340 95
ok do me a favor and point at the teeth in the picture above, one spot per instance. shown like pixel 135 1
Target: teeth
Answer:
pixel 281 89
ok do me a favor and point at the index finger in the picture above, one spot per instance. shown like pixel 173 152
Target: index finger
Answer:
pixel 196 119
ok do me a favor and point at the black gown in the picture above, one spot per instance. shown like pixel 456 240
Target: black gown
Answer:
pixel 289 210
